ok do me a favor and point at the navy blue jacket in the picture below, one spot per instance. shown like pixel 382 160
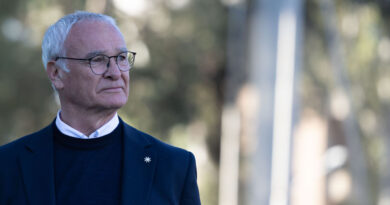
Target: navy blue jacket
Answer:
pixel 27 173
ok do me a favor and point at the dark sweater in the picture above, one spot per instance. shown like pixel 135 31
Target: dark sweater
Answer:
pixel 88 171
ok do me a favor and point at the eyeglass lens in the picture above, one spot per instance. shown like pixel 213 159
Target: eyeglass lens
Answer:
pixel 99 64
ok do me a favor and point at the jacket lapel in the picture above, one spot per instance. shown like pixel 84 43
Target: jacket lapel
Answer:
pixel 139 165
pixel 36 162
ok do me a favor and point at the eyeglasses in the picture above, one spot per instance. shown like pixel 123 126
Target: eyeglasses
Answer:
pixel 99 64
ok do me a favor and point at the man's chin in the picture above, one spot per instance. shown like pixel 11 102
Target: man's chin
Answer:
pixel 117 104
pixel 112 101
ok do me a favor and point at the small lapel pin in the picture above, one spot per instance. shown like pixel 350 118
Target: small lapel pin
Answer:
pixel 147 160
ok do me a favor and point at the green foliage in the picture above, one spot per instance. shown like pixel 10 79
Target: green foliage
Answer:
pixel 364 43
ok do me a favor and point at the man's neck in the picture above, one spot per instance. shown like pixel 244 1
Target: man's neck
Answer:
pixel 84 121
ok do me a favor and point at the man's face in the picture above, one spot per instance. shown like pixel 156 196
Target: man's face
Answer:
pixel 81 88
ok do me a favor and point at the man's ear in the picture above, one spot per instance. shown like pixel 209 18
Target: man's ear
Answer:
pixel 54 72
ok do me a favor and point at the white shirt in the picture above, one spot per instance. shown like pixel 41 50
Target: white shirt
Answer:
pixel 103 130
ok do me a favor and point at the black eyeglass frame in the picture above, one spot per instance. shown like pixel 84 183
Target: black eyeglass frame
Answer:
pixel 109 60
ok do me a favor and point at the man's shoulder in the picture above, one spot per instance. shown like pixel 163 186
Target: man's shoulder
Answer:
pixel 15 146
pixel 164 149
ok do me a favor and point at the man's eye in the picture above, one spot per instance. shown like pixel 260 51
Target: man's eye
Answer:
pixel 122 57
pixel 98 59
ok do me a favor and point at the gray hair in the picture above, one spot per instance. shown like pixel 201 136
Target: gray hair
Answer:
pixel 55 36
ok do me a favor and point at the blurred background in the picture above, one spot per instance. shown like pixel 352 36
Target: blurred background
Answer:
pixel 282 102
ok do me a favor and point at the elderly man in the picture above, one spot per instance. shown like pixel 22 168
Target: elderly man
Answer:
pixel 88 155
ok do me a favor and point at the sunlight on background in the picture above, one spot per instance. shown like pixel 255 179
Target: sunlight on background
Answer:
pixel 230 149
pixel 135 8
pixel 97 6
pixel 249 103
pixel 384 49
pixel 284 91
pixel 130 31
pixel 335 157
pixel 13 29
pixel 339 105
pixel 178 4
pixel 308 173
pixel 339 186
pixel 383 87
pixel 160 22
pixel 350 25
pixel 143 56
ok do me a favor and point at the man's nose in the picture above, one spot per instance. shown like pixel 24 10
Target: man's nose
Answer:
pixel 113 70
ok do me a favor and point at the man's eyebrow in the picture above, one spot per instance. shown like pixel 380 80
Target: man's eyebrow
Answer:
pixel 94 53
pixel 123 49
pixel 100 52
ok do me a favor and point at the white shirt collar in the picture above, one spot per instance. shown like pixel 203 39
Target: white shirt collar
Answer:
pixel 103 130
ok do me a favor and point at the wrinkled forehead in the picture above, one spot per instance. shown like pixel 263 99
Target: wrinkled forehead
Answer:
pixel 90 35
pixel 86 28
